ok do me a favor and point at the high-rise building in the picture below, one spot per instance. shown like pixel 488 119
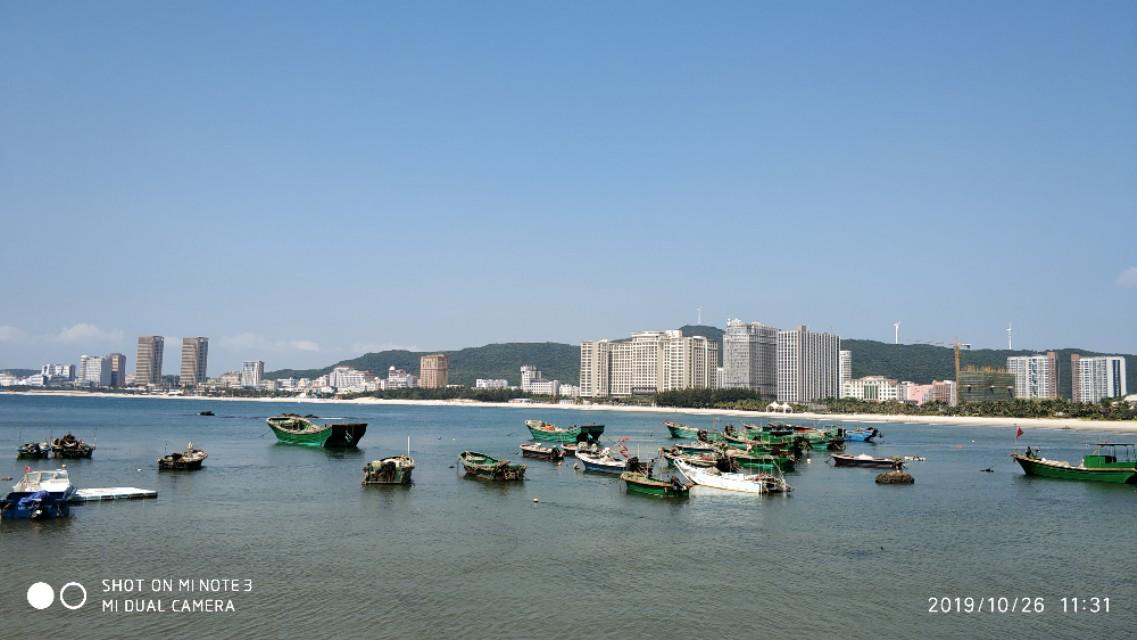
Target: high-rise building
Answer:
pixel 750 357
pixel 807 365
pixel 649 362
pixel 1097 377
pixel 595 368
pixel 118 369
pixel 433 371
pixel 1036 377
pixel 195 353
pixel 58 372
pixel 252 373
pixel 94 371
pixel 844 369
pixel 148 360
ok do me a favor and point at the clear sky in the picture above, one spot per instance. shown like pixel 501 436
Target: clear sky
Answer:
pixel 303 182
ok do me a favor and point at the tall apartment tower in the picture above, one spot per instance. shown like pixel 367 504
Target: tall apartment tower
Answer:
pixel 148 360
pixel 94 371
pixel 118 369
pixel 688 362
pixel 750 357
pixel 195 352
pixel 433 371
pixel 252 372
pixel 1097 378
pixel 844 370
pixel 807 365
pixel 1036 377
pixel 595 368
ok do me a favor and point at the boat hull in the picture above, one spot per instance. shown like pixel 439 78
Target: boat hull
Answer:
pixel 483 467
pixel 639 483
pixel 1063 471
pixel 339 436
pixel 544 432
pixel 870 463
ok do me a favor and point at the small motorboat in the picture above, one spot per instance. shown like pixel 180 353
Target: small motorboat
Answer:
pixel 188 460
pixel 205 413
pixel 39 495
pixel 647 485
pixel 863 460
pixel 604 462
pixel 34 450
pixel 741 482
pixel 863 435
pixel 68 446
pixel 705 459
pixel 392 470
pixel 541 452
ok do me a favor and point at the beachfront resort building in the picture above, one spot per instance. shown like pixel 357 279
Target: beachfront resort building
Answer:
pixel 646 363
pixel 1036 377
pixel 749 357
pixel 148 360
pixel 844 369
pixel 433 371
pixel 533 382
pixel 195 353
pixel 399 379
pixel 807 365
pixel 252 373
pixel 58 373
pixel 94 371
pixel 118 369
pixel 875 389
pixel 1098 377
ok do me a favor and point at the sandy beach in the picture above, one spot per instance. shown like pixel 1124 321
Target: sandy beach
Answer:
pixel 1120 426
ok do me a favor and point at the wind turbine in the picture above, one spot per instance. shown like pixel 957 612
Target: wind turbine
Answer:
pixel 896 327
pixel 1009 342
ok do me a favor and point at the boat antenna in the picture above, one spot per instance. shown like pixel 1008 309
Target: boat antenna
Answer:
pixel 408 446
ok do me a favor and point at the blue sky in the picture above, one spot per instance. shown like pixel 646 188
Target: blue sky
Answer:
pixel 303 182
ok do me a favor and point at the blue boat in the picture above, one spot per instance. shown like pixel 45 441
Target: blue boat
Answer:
pixel 605 462
pixel 39 495
pixel 863 435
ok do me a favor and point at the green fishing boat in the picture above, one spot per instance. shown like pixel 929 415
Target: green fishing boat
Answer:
pixel 760 460
pixel 684 432
pixel 480 465
pixel 1102 465
pixel 548 432
pixel 291 428
pixel 641 483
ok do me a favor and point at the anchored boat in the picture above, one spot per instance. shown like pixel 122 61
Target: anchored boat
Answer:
pixel 547 432
pixel 645 484
pixel 605 462
pixel 392 470
pixel 39 495
pixel 68 446
pixel 291 428
pixel 541 452
pixel 685 432
pixel 188 460
pixel 480 465
pixel 1104 464
pixel 863 460
pixel 36 450
pixel 745 483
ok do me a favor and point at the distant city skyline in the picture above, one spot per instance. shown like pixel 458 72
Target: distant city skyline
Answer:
pixel 389 177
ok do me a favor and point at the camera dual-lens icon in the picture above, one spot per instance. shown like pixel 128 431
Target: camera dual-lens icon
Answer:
pixel 41 595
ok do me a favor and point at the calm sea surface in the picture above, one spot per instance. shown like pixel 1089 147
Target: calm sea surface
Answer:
pixel 453 557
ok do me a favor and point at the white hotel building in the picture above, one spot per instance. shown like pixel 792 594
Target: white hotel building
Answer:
pixel 750 357
pixel 649 362
pixel 807 365
pixel 94 371
pixel 1036 377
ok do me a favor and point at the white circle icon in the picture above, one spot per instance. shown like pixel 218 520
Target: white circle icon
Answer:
pixel 65 588
pixel 41 595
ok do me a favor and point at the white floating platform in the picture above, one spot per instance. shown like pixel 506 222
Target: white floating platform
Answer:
pixel 113 493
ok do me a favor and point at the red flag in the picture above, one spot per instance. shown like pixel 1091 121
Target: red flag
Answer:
pixel 27 469
pixel 1018 432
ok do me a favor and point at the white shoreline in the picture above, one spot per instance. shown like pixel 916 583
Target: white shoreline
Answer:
pixel 1121 426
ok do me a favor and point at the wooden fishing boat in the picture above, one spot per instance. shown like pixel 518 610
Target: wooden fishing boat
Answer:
pixel 681 431
pixel 707 459
pixel 480 465
pixel 68 446
pixel 189 460
pixel 1109 462
pixel 696 446
pixel 392 470
pixel 745 483
pixel 34 450
pixel 548 432
pixel 752 459
pixel 291 428
pixel 645 484
pixel 863 460
pixel 541 452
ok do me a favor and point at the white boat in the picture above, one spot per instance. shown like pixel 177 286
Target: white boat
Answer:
pixel 743 482
pixel 39 494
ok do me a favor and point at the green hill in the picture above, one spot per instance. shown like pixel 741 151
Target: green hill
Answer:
pixel 556 361
pixel 20 373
